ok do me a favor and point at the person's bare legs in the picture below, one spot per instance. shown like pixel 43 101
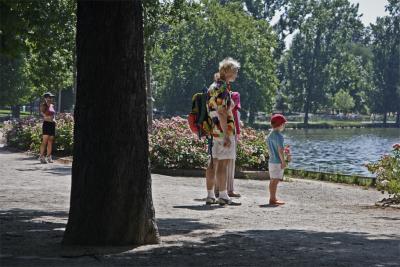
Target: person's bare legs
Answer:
pixel 210 175
pixel 273 186
pixel 221 174
pixel 50 148
pixel 45 140
pixel 231 179
pixel 224 198
pixel 210 181
pixel 50 142
pixel 230 173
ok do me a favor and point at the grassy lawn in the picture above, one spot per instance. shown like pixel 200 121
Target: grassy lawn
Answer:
pixel 331 177
pixel 6 112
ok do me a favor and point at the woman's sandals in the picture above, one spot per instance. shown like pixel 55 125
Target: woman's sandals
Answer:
pixel 221 202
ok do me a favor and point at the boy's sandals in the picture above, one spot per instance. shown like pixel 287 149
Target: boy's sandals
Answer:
pixel 276 202
pixel 210 201
pixel 229 202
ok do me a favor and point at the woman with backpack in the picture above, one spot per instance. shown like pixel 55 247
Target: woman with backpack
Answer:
pixel 219 107
pixel 48 128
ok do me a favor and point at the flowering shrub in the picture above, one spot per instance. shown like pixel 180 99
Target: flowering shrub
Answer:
pixel 26 134
pixel 173 145
pixel 387 171
pixel 252 151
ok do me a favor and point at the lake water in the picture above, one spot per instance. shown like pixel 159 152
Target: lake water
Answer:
pixel 339 150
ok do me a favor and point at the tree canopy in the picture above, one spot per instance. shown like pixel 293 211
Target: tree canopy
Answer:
pixel 189 52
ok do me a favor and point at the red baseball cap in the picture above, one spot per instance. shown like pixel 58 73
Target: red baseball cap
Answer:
pixel 277 120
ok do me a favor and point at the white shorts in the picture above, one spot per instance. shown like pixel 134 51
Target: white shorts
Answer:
pixel 275 171
pixel 220 152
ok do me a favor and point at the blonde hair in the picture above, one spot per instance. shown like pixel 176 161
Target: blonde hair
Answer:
pixel 228 65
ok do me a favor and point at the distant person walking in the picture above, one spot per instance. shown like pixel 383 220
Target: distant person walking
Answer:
pixel 48 128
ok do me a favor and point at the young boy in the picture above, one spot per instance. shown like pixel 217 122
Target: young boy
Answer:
pixel 276 163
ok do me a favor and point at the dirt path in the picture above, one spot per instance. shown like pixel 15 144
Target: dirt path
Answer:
pixel 323 224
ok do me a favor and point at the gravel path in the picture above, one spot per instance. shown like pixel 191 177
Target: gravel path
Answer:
pixel 323 224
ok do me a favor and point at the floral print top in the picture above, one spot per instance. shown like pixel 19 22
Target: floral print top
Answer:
pixel 219 94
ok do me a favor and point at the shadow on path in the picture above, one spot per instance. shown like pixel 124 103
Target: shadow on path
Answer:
pixel 32 238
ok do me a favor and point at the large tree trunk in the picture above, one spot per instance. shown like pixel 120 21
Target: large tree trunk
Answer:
pixel 149 94
pixel 111 202
pixel 74 79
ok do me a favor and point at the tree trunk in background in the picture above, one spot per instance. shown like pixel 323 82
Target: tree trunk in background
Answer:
pixel 306 110
pixel 59 101
pixel 252 116
pixel 312 76
pixel 385 118
pixel 16 111
pixel 111 201
pixel 398 118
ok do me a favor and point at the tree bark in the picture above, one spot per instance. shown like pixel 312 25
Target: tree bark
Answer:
pixel 74 78
pixel 59 101
pixel 252 115
pixel 15 111
pixel 149 94
pixel 385 118
pixel 111 202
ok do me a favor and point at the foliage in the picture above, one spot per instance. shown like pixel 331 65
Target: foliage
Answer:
pixel 387 171
pixel 26 134
pixel 252 151
pixel 38 39
pixel 386 50
pixel 173 145
pixel 13 80
pixel 188 54
pixel 343 101
pixel 316 54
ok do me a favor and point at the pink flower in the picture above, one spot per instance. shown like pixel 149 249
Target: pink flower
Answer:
pixel 396 146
